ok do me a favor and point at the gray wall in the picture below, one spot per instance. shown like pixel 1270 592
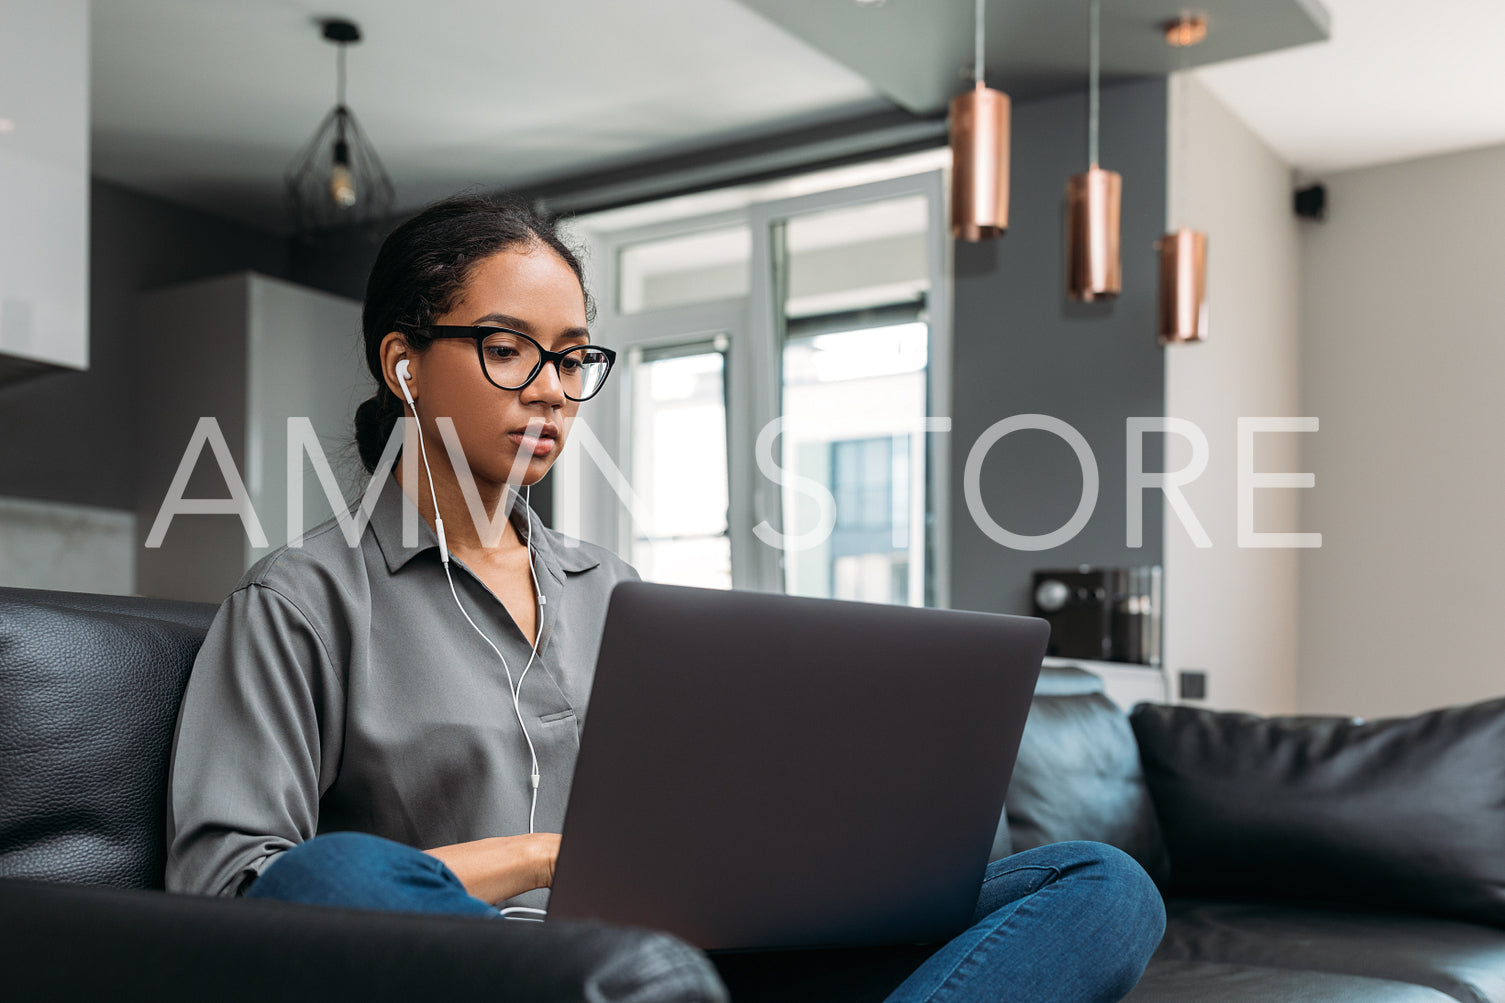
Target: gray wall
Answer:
pixel 1022 347
pixel 71 435
pixel 203 555
pixel 338 262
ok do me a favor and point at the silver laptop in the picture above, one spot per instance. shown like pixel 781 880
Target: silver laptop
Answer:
pixel 766 771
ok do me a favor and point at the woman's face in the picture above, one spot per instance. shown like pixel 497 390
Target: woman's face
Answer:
pixel 528 289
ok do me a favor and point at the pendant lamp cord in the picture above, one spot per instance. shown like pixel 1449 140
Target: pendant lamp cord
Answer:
pixel 978 46
pixel 1093 69
pixel 1177 202
pixel 339 104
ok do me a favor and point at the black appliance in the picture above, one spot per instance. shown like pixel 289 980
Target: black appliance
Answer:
pixel 1105 614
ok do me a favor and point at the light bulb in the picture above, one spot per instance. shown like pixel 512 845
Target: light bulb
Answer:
pixel 342 186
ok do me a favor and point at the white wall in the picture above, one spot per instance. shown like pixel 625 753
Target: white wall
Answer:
pixel 1403 357
pixel 44 184
pixel 74 548
pixel 1228 611
pixel 304 358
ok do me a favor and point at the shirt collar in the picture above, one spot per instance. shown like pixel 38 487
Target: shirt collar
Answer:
pixel 553 551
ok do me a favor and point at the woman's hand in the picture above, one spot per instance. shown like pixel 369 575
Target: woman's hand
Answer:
pixel 503 866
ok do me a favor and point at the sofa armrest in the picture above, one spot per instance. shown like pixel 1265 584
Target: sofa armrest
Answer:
pixel 80 942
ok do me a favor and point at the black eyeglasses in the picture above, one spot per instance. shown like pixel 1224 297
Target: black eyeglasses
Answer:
pixel 511 360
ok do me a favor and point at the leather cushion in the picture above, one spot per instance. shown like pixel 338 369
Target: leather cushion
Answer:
pixel 1078 777
pixel 88 703
pixel 1201 981
pixel 1407 813
pixel 1246 950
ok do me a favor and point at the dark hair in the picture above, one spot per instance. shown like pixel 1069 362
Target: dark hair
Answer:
pixel 419 272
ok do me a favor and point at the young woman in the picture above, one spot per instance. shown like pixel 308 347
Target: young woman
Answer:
pixel 392 723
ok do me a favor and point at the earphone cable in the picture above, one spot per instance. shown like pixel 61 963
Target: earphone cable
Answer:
pixel 534 777
pixel 537 632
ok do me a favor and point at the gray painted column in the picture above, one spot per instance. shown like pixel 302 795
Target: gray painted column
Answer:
pixel 1022 347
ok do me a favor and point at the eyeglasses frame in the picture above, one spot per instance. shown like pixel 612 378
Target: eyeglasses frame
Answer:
pixel 479 333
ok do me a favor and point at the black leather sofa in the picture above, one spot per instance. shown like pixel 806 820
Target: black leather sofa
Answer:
pixel 89 690
pixel 1301 858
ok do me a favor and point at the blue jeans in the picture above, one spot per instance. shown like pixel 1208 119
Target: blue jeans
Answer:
pixel 359 871
pixel 1064 922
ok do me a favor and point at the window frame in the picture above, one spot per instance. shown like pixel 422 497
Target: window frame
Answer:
pixel 755 325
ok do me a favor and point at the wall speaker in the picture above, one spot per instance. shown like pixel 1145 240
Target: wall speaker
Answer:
pixel 1311 202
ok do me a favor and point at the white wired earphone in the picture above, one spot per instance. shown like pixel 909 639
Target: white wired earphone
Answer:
pixel 534 776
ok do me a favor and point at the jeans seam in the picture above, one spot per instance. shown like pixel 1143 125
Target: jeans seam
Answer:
pixel 971 959
pixel 1030 867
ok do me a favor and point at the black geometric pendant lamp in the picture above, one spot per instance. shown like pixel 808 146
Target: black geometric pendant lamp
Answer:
pixel 337 179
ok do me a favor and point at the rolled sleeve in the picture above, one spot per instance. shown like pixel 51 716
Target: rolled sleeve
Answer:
pixel 258 742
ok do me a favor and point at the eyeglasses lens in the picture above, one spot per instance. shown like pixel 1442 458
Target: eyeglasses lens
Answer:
pixel 511 360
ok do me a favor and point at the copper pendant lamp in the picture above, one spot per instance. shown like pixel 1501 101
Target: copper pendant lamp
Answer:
pixel 1094 266
pixel 1183 286
pixel 979 155
pixel 1183 252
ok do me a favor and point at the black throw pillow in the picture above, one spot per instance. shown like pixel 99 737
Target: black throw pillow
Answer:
pixel 1406 813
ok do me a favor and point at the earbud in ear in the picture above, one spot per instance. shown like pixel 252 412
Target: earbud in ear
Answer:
pixel 403 376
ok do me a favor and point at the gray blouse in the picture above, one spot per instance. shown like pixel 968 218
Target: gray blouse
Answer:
pixel 339 688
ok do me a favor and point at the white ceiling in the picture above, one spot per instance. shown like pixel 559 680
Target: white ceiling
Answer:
pixel 1398 79
pixel 204 102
